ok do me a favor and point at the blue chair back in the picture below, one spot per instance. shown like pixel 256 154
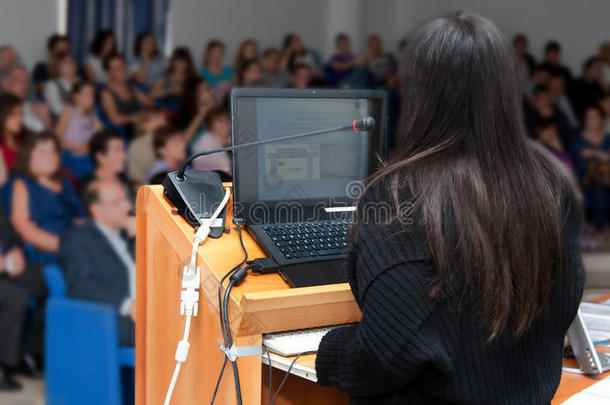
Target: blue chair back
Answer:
pixel 55 281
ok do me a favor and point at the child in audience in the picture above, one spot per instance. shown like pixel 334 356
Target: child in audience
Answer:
pixel 213 71
pixel 273 76
pixel 149 64
pixel 57 91
pixel 107 152
pixel 11 132
pixel 250 74
pixel 300 77
pixel 195 103
pixel 546 134
pixel 76 126
pixel 141 154
pixel 217 136
pixel 102 46
pixel 170 149
pixel 121 101
pixel 169 86
pixel 41 203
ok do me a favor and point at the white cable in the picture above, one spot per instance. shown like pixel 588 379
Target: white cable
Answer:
pixel 189 297
pixel 572 370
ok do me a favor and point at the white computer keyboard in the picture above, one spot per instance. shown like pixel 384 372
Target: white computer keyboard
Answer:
pixel 294 342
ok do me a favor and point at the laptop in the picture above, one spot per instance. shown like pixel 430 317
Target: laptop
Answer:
pixel 589 360
pixel 297 197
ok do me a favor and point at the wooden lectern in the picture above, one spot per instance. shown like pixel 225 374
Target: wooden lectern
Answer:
pixel 261 304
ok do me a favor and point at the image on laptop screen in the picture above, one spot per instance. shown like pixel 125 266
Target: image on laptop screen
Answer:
pixel 317 167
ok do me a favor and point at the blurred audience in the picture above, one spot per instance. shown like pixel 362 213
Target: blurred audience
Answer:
pixel 300 77
pixel 273 75
pixel 63 75
pixel 57 44
pixel 105 274
pixel 11 132
pixel 169 86
pixel 588 89
pixel 213 70
pixel 552 61
pixel 295 53
pixel 197 100
pixel 381 66
pixel 249 74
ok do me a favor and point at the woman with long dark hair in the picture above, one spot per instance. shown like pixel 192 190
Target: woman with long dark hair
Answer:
pixel 464 258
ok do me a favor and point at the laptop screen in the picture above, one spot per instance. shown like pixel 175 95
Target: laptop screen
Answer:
pixel 319 167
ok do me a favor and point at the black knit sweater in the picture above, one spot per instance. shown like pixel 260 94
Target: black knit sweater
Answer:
pixel 413 349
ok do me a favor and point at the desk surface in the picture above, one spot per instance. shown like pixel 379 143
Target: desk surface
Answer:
pixel 261 304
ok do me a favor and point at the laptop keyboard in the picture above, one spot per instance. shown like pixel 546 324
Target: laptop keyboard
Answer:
pixel 297 241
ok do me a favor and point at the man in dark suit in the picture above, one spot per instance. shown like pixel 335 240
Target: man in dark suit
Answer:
pixel 97 257
pixel 19 282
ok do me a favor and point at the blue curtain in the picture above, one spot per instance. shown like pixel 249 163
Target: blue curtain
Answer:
pixel 126 18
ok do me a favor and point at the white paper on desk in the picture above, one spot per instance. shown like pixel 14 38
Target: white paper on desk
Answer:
pixel 597 394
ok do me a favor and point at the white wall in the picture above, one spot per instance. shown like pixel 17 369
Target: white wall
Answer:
pixel 26 24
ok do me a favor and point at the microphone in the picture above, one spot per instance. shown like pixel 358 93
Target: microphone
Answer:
pixel 362 124
pixel 197 194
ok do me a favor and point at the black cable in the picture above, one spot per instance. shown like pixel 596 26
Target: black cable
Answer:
pixel 270 372
pixel 286 376
pixel 229 342
pixel 237 223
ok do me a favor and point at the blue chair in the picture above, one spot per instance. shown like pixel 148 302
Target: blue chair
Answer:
pixel 83 359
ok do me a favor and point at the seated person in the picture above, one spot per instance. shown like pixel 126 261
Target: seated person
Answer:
pixel 20 281
pixel 591 147
pixel 170 149
pixel 141 154
pixel 540 109
pixel 273 76
pixel 57 91
pixel 195 103
pixel 14 80
pixel 102 46
pixel 249 74
pixel 546 134
pixel 589 88
pixel 295 53
pixel 342 66
pixel 57 44
pixel 97 258
pixel 552 61
pixel 380 65
pixel 300 77
pixel 213 70
pixel 41 203
pixel 121 101
pixel 168 88
pixel 107 152
pixel 77 124
pixel 149 64
pixel 11 132
pixel 217 136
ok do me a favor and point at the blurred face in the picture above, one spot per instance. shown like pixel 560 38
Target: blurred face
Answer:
pixel 553 57
pixel 520 47
pixel 13 122
pixel 297 44
pixel 252 74
pixel 179 67
pixel 85 98
pixel 604 103
pixel 8 55
pixel 112 208
pixel 556 85
pixel 215 55
pixel 301 78
pixel 108 46
pixel 343 46
pixel 222 129
pixel 548 135
pixel 541 76
pixel 271 62
pixel 541 100
pixel 67 68
pixel 251 51
pixel 117 71
pixel 16 83
pixel 174 149
pixel 44 160
pixel 148 46
pixel 114 157
pixel 60 47
pixel 593 120
pixel 595 71
pixel 375 46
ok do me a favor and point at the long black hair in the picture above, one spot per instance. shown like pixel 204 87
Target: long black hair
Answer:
pixel 464 156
